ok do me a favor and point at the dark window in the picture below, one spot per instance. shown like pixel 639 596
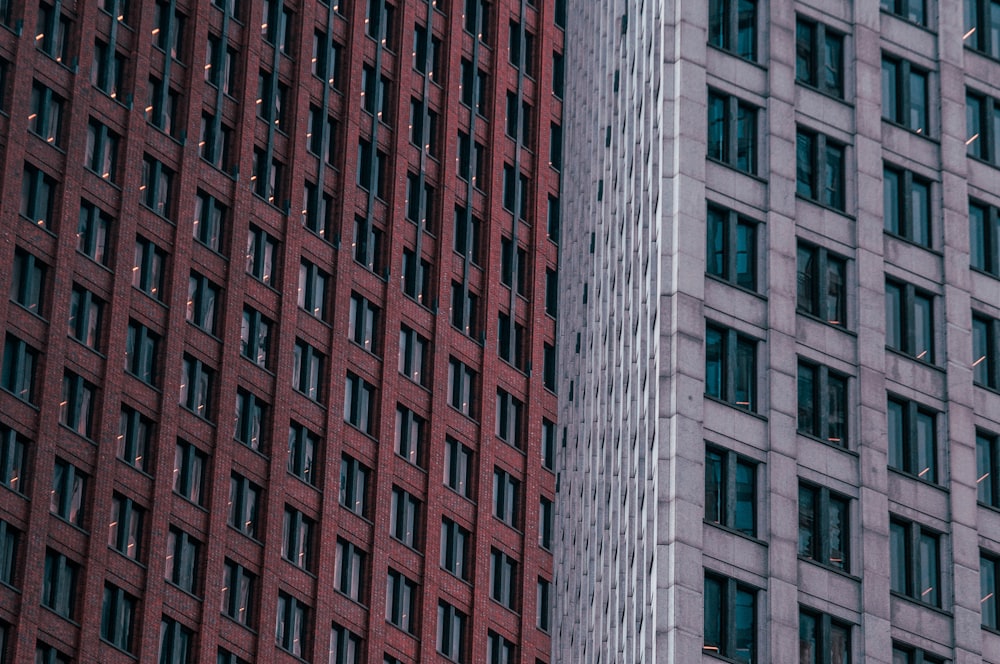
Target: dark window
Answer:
pixel 520 37
pixel 59 584
pixel 510 419
pixel 141 353
pixel 905 95
pixel 732 132
pixel 823 639
pixel 982 115
pixel 326 59
pixel 514 266
pixel 461 387
pixel 359 403
pixel 515 192
pixel 19 362
pixel 44 653
pixel 984 232
pixel 27 286
pixel 182 560
pixel 982 26
pixel 455 542
pixel 451 630
pixel 197 383
pixel 38 194
pixel 410 434
pixel 363 323
pixel 413 351
pixel 457 466
pixel 176 642
pixel 277 26
pixel 464 309
pixel 220 65
pixel 519 118
pixel 732 25
pixel 822 403
pixel 989 594
pixel 503 578
pixel 468 235
pixel 317 210
pixel 732 247
pixel 731 490
pixel 416 278
pixel 255 337
pixel 303 448
pixel 321 135
pixel 162 106
pixel 477 18
pixel 731 367
pixel 268 177
pixel 244 499
pixel 512 338
pixel 506 497
pixel 272 101
pixel 349 571
pixel 424 127
pixel 189 471
pixel 988 468
pixel 405 518
pixel 307 370
pixel 150 265
pixel 209 220
pixel 102 151
pixel 824 530
pixel 52 36
pixel 354 485
pixel 93 233
pixel 367 244
pixel 118 613
pixel 66 499
pixel 262 254
pixel 904 654
pixel 821 284
pixel 157 187
pixel 914 562
pixel 819 57
pixel 292 625
pixel 400 601
pixel 297 537
pixel 427 52
pixel 820 169
pixel 544 604
pixel 168 29
pixel 251 419
pixel 986 351
pixel 13 469
pixel 238 586
pixel 45 119
pixel 475 85
pixel 420 207
pixel 912 439
pixel 911 10
pixel 551 292
pixel 76 410
pixel 107 70
pixel 546 513
pixel 730 619
pixel 549 367
pixel 907 205
pixel 125 531
pixel 226 657
pixel 312 289
pixel 380 23
pixel 345 646
pixel 909 320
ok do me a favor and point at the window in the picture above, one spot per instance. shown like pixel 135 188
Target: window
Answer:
pixel 512 342
pixel 427 49
pixel 220 65
pixel 52 36
pixel 515 192
pixel 824 530
pixel 344 646
pixel 118 617
pixel 989 583
pixel 420 207
pixel 327 55
pixel 499 650
pixel 412 355
pixel 197 382
pixel 546 514
pixel 477 19
pixel 359 403
pixel 307 368
pixel 988 468
pixel 914 562
pixel 455 549
pixel 731 367
pixel 317 210
pixel 730 618
pixel 13 469
pixel 291 626
pixel 321 135
pixel 986 351
pixel 907 205
pixel 424 127
pixel 45 120
pixel 77 407
pixel 821 284
pixel 226 657
pixel 303 447
pixel 38 191
pixel 732 247
pixel 468 235
pixel 475 85
pixel 363 323
pixel 544 618
pixel 551 292
pixel 461 387
pixel 255 337
pixel 520 37
pixel 215 141
pixel 911 10
pixel 238 587
pixel 380 23
pixel 731 491
pixel 416 277
pixel 182 563
pixel 823 639
pixel 367 244
pixel 519 119
pixel 513 266
pixel 44 653
pixel 102 151
pixel 912 439
pixel 176 642
pixel 982 26
pixel 244 498
pixel 464 309
pixel 189 471
pixel 903 654
pixel 405 517
pixel 506 498
pixel 251 415
pixel 209 220
pixel 457 466
pixel 909 320
pixel 19 362
pixel 548 444
pixel 349 570
pixel 819 57
pixel 732 26
pixel 984 222
pixel 510 419
pixel 147 274
pixel 296 540
pixel 272 100
pixel 162 104
pixel 141 353
pixel 451 631
pixel 93 232
pixel 982 115
pixel 823 405
pixel 168 29
pixel 400 601
pixel 372 164
pixel 410 435
pixel 268 177
pixel 354 485
pixel 27 285
pixel 549 367
pixel 107 71
pixel 905 95
pixel 59 585
pixel 125 531
pixel 732 132
pixel 262 252
pixel 503 578
pixel 157 187
pixel 819 169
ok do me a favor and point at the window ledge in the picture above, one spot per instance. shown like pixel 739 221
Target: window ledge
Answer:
pixel 907 21
pixel 723 402
pixel 44 226
pixel 992 508
pixel 912 243
pixel 735 169
pixel 916 478
pixel 911 358
pixel 340 593
pixel 733 54
pixel 57 148
pixel 824 441
pixel 987 388
pixel 979 270
pixel 190 594
pixel 24 401
pixel 815 318
pixel 825 93
pixel 237 622
pixel 830 568
pixel 991 164
pixel 150 296
pixel 917 602
pixel 76 433
pixel 707 651
pixel 737 533
pixel 124 557
pixel 984 54
pixel 410 464
pixel 902 127
pixel 813 201
pixel 360 516
pixel 742 289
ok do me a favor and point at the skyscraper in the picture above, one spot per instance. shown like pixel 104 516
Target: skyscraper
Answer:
pixel 779 351
pixel 278 372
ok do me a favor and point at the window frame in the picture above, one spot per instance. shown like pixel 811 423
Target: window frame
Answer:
pixel 735 118
pixel 902 320
pixel 733 346
pixel 818 529
pixel 810 177
pixel 731 226
pixel 818 418
pixel 900 214
pixel 820 648
pixel 907 450
pixel 984 250
pixel 724 618
pixel 914 535
pixel 985 351
pixel 725 31
pixel 724 510
pixel 987 468
pixel 816 55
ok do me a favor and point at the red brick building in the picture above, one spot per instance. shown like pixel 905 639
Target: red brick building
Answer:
pixel 278 363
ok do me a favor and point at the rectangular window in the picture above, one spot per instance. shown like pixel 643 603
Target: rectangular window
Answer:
pixel 102 151
pixel 27 285
pixel 162 105
pixel 255 337
pixel 268 177
pixel 149 268
pixel 819 57
pixel 210 217
pixel 189 471
pixel 515 192
pixel 983 121
pixel 822 284
pixel 297 538
pixel 413 349
pixel 405 518
pixel 45 120
pixel 912 433
pixel 824 526
pixel 503 578
pixel 168 29
pixel 44 653
pixel 477 19
pixel 107 71
pixel 455 548
pixel 363 323
pixel 238 586
pixel 420 207
pixel 984 232
pixel 732 247
pixel 93 232
pixel 197 384
pixel 182 563
pixel 427 53
pixel 344 646
pixel 321 135
pixel 307 369
pixel 367 244
pixel 822 403
pixel 416 277
pixel 19 362
pixel 732 26
pixel 424 127
pixel 327 56
pixel 522 58
pixel 303 448
pixel 731 490
pixel 475 85
pixel 13 469
pixel 451 631
pixel 988 468
pixel 468 235
pixel 986 351
pixel 251 419
pixel 914 562
pixel 317 210
pixel 349 570
pixel 461 387
pixel 220 64
pixel 731 367
pixel 907 205
pixel 157 188
pixel 546 514
pixel 910 10
pixel 354 485
pixel 909 320
pixel 76 410
pixel 519 117
pixel 544 604
pixel 982 26
pixel 53 34
pixel 551 292
pixel 823 639
pixel 905 95
pixel 506 497
pixel 410 434
pixel 820 173
pixel 38 195
pixel 514 266
pixel 730 619
pixel 400 601
pixel 215 141
pixel 380 23
pixel 904 654
pixel 125 531
pixel 244 499
pixel 989 595
pixel 292 624
pixel 359 403
pixel 732 132
pixel 141 353
pixel 118 613
pixel 457 466
pixel 59 584
pixel 272 100
pixel 176 642
pixel 262 253
pixel 464 309
pixel 512 339
pixel 510 419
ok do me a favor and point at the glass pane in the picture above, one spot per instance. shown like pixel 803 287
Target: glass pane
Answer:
pixel 804 52
pixel 745 490
pixel 807 522
pixel 840 644
pixel 746 374
pixel 807 639
pixel 984 469
pixel 890 196
pixel 745 253
pixel 899 558
pixel 833 78
pixel 804 166
pixel 929 570
pixel 918 98
pixel 838 533
pixel 834 180
pixel 746 46
pixel 716 127
pixel 835 300
pixel 713 615
pixel 973 121
pixel 745 627
pixel 987 594
pixel 715 488
pixel 836 410
pixel 978 218
pixel 923 333
pixel 746 138
pixel 714 363
pixel 806 282
pixel 889 87
pixel 716 259
pixel 920 209
pixel 717 23
pixel 893 309
pixel 896 432
pixel 807 400
pixel 925 447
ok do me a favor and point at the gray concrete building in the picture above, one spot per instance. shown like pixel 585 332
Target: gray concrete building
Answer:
pixel 780 333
